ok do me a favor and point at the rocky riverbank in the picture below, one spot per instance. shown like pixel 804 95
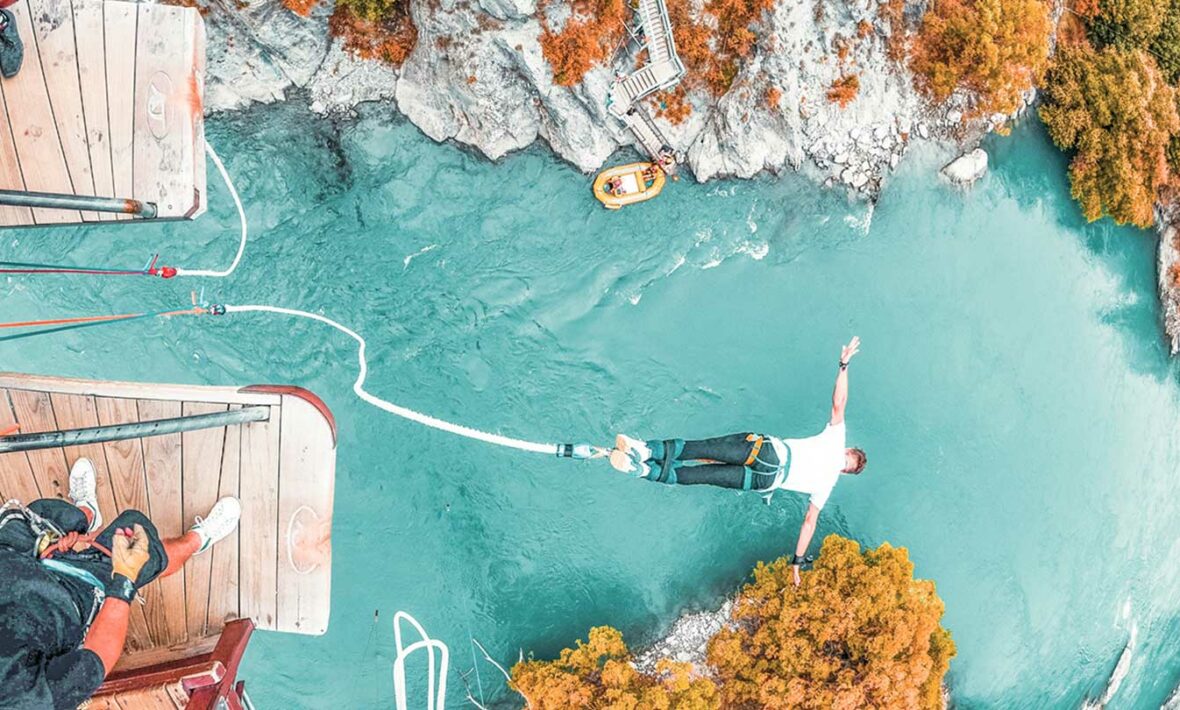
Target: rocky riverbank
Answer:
pixel 477 76
pixel 1168 274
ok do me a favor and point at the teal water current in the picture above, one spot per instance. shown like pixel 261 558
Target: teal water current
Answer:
pixel 1013 394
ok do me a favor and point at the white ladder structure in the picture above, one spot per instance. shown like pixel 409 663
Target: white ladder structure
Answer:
pixel 663 71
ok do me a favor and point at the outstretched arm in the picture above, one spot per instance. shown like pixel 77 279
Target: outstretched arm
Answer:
pixel 840 393
pixel 806 532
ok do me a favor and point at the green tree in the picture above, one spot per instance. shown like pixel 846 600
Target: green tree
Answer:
pixel 996 49
pixel 1115 110
pixel 1127 23
pixel 1166 43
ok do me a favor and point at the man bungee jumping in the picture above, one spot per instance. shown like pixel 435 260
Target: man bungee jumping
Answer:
pixel 755 462
pixel 66 590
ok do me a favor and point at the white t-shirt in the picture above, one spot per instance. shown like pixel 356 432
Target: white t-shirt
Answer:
pixel 816 464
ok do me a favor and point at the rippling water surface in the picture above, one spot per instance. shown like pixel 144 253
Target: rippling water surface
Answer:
pixel 1013 394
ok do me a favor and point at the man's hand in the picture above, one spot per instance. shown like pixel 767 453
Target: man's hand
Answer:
pixel 129 552
pixel 852 348
pixel 795 574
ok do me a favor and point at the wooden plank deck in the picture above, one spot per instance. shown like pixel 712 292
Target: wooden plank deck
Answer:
pixel 108 103
pixel 276 569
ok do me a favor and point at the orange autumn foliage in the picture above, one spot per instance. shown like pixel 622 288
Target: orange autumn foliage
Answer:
pixel 995 49
pixel 844 90
pixel 773 96
pixel 713 56
pixel 859 632
pixel 300 7
pixel 593 29
pixel 673 105
pixel 597 674
pixel 389 40
pixel 893 13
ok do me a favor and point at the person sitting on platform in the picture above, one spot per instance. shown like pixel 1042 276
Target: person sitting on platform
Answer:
pixel 66 591
pixel 12 50
pixel 756 462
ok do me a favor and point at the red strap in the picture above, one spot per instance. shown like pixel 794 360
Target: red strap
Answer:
pixel 76 542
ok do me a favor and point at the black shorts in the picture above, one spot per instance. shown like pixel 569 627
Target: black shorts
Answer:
pixel 19 536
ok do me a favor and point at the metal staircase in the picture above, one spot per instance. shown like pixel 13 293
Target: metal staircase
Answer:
pixel 662 71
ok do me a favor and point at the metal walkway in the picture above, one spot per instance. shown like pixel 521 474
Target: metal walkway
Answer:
pixel 663 71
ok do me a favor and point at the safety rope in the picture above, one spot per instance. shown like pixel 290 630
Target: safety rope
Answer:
pixel 241 220
pixel 151 268
pixel 76 542
pixel 404 412
pixel 63 324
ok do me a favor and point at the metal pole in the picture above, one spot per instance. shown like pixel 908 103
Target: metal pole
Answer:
pixel 133 430
pixel 49 200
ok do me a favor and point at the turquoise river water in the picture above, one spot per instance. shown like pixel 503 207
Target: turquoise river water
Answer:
pixel 1013 394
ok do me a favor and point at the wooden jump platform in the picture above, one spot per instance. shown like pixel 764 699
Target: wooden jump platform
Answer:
pixel 274 570
pixel 109 103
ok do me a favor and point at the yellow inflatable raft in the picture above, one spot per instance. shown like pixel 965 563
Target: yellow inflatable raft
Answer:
pixel 628 184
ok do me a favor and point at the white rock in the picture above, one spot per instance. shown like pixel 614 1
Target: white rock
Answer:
pixel 505 9
pixel 923 131
pixel 859 180
pixel 841 158
pixel 967 168
pixel 954 116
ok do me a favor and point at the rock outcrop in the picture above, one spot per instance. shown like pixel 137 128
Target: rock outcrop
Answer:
pixel 477 76
pixel 687 641
pixel 1168 275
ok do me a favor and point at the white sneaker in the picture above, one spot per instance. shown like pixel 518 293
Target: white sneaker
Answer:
pixel 221 521
pixel 84 491
pixel 622 461
pixel 638 450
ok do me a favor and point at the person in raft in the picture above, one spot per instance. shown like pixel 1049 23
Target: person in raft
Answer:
pixel 66 595
pixel 12 50
pixel 756 462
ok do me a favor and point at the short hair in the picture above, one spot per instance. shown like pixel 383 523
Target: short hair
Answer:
pixel 861 460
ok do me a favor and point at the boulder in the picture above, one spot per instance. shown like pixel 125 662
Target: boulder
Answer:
pixel 967 168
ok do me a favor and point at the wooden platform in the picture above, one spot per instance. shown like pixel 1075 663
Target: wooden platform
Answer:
pixel 109 102
pixel 275 570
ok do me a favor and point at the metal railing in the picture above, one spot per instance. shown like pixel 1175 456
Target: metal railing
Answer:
pixel 132 430
pixel 88 203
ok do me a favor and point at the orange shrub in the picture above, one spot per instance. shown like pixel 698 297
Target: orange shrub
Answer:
pixel 673 105
pixel 844 90
pixel 773 96
pixel 389 40
pixel 893 12
pixel 587 38
pixel 597 674
pixel 300 7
